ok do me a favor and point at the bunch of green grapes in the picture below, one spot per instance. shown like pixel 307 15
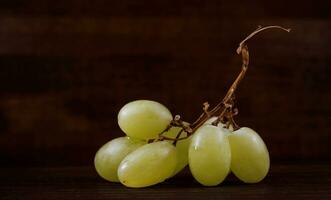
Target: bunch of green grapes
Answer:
pixel 157 146
pixel 142 158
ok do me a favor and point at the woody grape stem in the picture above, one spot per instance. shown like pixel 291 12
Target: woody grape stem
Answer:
pixel 224 109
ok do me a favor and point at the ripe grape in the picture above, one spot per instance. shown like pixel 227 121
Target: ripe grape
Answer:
pixel 148 165
pixel 144 119
pixel 110 155
pixel 250 158
pixel 220 124
pixel 181 147
pixel 209 155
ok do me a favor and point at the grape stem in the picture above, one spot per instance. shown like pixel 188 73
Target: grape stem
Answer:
pixel 225 109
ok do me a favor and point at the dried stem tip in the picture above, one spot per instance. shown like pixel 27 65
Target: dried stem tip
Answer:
pixel 259 29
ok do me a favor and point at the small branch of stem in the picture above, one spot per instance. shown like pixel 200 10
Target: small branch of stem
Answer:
pixel 224 109
pixel 234 124
pixel 178 136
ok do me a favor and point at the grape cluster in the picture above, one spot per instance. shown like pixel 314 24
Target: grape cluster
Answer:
pixel 142 158
pixel 157 145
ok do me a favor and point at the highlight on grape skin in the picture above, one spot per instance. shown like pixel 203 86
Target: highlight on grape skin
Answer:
pixel 157 146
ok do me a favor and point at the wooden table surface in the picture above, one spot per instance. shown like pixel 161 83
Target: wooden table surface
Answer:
pixel 285 181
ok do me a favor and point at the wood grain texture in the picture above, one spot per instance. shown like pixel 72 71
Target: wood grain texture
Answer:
pixel 285 181
pixel 67 67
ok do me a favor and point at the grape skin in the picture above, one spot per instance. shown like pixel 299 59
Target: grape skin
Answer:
pixel 181 147
pixel 250 157
pixel 144 119
pixel 148 165
pixel 209 155
pixel 110 155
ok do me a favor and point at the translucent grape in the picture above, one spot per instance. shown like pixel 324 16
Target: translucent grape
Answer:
pixel 220 124
pixel 144 119
pixel 148 165
pixel 209 155
pixel 181 148
pixel 110 155
pixel 250 157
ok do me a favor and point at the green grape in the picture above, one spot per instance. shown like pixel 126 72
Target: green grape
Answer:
pixel 148 165
pixel 250 157
pixel 110 155
pixel 144 119
pixel 181 147
pixel 220 124
pixel 209 155
pixel 211 120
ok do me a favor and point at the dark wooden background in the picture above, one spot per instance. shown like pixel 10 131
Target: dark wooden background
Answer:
pixel 67 67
